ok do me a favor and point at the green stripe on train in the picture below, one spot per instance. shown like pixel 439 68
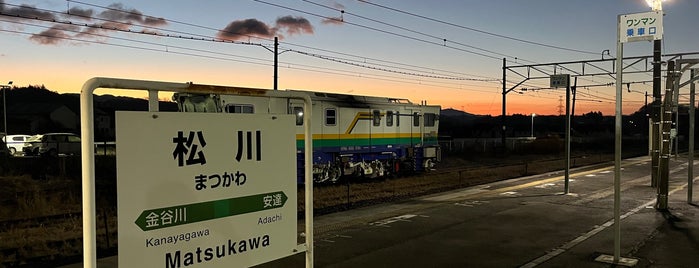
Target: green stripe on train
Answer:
pixel 364 142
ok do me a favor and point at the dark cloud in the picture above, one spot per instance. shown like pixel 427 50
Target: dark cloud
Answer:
pixel 25 11
pixel 82 13
pixel 151 21
pixel 54 35
pixel 241 29
pixel 118 17
pixel 294 25
pixel 118 12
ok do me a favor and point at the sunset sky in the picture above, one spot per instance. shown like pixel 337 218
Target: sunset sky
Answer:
pixel 446 52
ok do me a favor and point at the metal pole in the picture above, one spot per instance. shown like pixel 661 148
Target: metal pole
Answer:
pixel 655 114
pixel 88 174
pixel 676 110
pixel 308 175
pixel 504 104
pixel 573 89
pixel 690 169
pixel 276 61
pixel 617 146
pixel 153 102
pixel 664 168
pixel 567 140
pixel 649 122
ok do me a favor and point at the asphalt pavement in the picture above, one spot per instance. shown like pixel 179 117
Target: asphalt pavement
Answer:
pixel 524 222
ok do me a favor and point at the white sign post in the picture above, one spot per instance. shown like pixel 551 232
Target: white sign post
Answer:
pixel 645 26
pixel 205 190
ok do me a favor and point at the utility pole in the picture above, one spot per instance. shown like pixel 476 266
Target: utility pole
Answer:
pixel 664 168
pixel 276 61
pixel 655 114
pixel 566 187
pixel 504 104
pixel 573 89
pixel 690 168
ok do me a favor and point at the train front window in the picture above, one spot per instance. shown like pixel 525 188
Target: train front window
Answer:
pixel 330 117
pixel 389 118
pixel 298 111
pixel 416 119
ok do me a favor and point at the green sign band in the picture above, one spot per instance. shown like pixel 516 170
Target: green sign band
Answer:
pixel 185 214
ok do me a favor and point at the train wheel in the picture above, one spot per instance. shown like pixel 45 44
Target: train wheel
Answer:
pixel 334 174
pixel 428 165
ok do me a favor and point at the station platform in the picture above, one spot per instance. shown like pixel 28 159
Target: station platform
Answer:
pixel 523 222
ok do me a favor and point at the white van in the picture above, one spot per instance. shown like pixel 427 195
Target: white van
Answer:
pixel 15 143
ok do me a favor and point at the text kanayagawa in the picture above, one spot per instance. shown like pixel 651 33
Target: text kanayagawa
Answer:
pixel 178 258
pixel 173 239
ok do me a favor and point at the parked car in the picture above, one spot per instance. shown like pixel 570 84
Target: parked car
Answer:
pixel 15 143
pixel 53 144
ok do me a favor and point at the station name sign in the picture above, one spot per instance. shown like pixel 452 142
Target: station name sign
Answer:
pixel 205 190
pixel 646 26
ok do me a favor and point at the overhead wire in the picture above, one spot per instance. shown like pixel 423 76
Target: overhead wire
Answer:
pixel 167 49
pixel 477 30
pixel 250 36
pixel 445 40
pixel 229 41
pixel 199 37
pixel 382 69
pixel 363 58
pixel 169 20
pixel 380 30
pixel 202 39
pixel 128 46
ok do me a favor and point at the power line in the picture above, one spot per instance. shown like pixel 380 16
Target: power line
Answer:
pixel 250 36
pixel 206 38
pixel 362 58
pixel 191 36
pixel 386 70
pixel 380 30
pixel 169 20
pixel 165 49
pixel 477 30
pixel 130 46
pixel 412 31
pixel 244 43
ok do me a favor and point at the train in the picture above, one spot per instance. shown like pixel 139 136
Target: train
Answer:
pixel 353 136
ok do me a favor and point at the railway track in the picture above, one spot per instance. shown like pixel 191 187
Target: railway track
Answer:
pixel 48 240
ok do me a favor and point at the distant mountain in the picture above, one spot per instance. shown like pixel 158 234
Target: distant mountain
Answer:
pixel 36 109
pixel 455 113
